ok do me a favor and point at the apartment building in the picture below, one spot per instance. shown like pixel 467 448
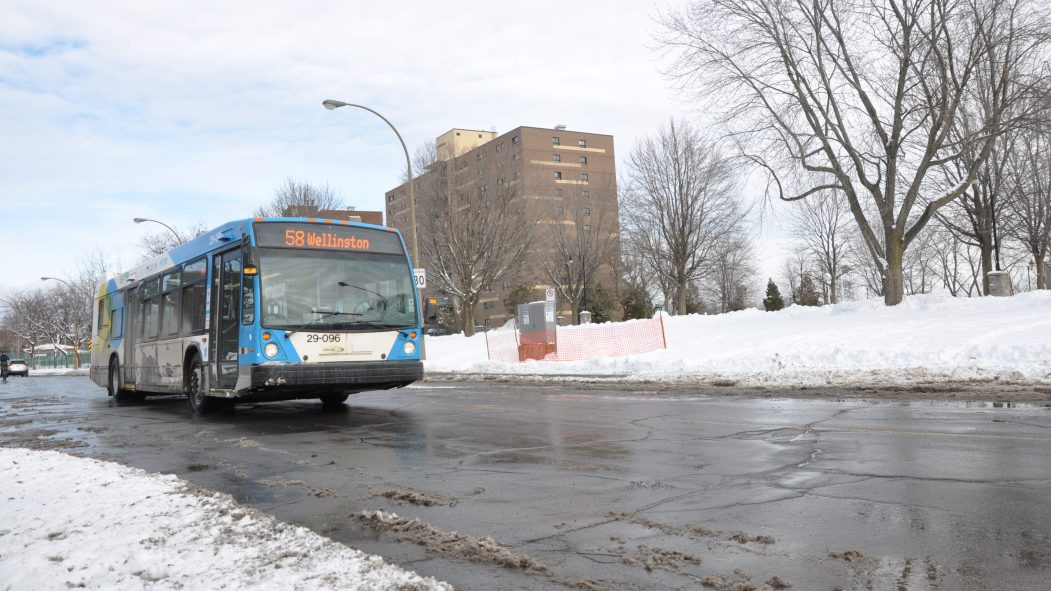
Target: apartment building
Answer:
pixel 565 183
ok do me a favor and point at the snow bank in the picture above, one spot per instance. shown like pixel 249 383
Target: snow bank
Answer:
pixel 926 338
pixel 68 522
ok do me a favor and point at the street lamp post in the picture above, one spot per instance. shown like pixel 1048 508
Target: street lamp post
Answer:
pixel 334 104
pixel 76 319
pixel 178 239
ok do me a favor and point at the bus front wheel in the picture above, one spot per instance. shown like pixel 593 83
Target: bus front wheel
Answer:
pixel 200 402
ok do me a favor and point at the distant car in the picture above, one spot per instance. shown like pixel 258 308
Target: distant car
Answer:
pixel 437 331
pixel 18 367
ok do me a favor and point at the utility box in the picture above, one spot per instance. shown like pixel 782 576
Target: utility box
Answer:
pixel 536 327
pixel 1000 284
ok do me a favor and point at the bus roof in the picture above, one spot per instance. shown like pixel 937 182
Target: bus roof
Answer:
pixel 216 239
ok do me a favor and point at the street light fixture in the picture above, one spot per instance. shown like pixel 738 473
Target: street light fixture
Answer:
pixel 334 104
pixel 178 239
pixel 76 319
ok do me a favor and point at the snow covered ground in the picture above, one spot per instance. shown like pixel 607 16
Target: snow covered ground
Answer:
pixel 926 338
pixel 68 522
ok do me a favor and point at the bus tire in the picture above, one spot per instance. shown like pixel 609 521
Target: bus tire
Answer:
pixel 120 395
pixel 200 402
pixel 113 384
pixel 333 400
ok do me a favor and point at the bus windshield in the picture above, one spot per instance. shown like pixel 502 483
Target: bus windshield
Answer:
pixel 321 290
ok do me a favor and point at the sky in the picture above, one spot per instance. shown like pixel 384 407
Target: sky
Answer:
pixel 194 112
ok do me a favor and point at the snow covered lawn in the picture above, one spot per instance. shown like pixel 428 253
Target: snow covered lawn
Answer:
pixel 68 522
pixel 926 338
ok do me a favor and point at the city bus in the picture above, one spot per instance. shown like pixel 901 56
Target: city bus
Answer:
pixel 262 309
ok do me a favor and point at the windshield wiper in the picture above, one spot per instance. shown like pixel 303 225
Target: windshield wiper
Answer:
pixel 323 316
pixel 365 289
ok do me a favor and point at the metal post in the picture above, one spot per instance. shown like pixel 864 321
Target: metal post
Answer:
pixel 76 320
pixel 178 239
pixel 334 104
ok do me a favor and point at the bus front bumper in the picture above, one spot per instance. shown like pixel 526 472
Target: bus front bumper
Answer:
pixel 321 378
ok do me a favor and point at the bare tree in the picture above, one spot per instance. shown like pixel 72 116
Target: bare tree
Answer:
pixel 470 240
pixel 798 264
pixel 733 270
pixel 825 226
pixel 300 199
pixel 1030 202
pixel 583 238
pixel 682 202
pixel 955 264
pixel 865 98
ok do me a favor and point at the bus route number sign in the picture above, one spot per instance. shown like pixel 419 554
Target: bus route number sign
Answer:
pixel 420 277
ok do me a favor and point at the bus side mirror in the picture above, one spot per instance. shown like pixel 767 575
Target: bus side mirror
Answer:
pixel 430 311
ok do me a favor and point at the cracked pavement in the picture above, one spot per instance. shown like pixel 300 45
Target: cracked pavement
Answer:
pixel 611 488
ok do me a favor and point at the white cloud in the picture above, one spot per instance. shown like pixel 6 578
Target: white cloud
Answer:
pixel 197 111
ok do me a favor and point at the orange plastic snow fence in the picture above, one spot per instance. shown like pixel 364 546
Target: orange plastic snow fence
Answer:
pixel 577 343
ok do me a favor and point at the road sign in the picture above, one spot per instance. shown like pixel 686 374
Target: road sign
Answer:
pixel 549 295
pixel 420 275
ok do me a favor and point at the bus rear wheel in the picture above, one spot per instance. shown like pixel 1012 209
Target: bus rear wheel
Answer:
pixel 120 395
pixel 332 401
pixel 200 402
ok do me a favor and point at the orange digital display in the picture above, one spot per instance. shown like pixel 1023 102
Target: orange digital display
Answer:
pixel 311 239
pixel 321 236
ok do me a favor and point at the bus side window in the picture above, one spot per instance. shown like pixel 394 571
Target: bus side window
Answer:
pixel 102 315
pixel 116 322
pixel 194 275
pixel 248 299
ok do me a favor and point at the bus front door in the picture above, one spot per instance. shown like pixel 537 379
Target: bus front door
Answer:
pixel 226 296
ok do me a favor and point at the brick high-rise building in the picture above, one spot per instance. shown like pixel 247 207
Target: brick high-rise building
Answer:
pixel 565 182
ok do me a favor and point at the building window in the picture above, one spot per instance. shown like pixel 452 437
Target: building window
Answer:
pixel 478 156
pixel 556 158
pixel 500 147
pixel 518 174
pixel 584 160
pixel 516 140
pixel 560 210
pixel 515 158
pixel 584 176
pixel 507 284
pixel 488 321
pixel 558 176
pixel 587 227
pixel 582 143
pixel 554 141
pixel 587 211
pixel 484 188
pixel 584 194
pixel 558 192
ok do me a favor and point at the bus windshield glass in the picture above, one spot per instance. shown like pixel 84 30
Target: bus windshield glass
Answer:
pixel 323 290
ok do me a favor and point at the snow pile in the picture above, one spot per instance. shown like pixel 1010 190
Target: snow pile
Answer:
pixel 930 337
pixel 69 522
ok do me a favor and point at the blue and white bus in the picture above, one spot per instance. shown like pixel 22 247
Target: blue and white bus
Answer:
pixel 263 309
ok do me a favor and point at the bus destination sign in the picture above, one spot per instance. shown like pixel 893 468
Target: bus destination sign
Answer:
pixel 326 237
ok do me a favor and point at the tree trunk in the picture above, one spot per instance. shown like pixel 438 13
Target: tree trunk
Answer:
pixel 893 285
pixel 832 287
pixel 680 297
pixel 1041 273
pixel 467 317
pixel 987 265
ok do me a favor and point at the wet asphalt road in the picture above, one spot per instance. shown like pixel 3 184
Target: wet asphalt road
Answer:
pixel 611 489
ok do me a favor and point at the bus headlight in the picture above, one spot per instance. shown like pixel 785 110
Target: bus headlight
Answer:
pixel 409 347
pixel 270 349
